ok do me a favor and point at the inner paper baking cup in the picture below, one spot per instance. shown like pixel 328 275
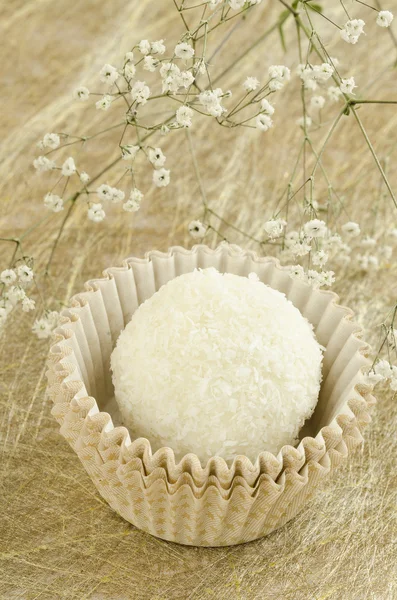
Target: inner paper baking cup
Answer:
pixel 218 503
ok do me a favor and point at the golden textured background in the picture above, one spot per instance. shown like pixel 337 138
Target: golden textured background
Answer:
pixel 58 537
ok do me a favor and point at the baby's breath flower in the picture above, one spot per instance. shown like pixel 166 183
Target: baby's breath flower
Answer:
pixel 184 116
pixel 199 67
pixel 347 85
pixel 50 140
pixel 25 274
pixel 84 177
pixel 384 369
pixel 68 167
pixel 156 157
pixel 297 272
pixel 15 294
pixel 96 213
pixel 116 195
pixel 109 74
pixel 279 72
pixel 161 177
pixel 274 227
pixel 28 304
pixel 104 103
pixel 352 31
pixel 211 100
pixel 236 4
pixel 263 122
pixel 386 252
pixel 266 107
pixel 81 93
pixel 144 47
pixel 129 71
pixel 129 57
pixel 186 79
pixel 315 229
pixel 317 102
pixel 134 201
pixel 327 278
pixel 53 202
pixel 351 229
pixel 251 84
pixel 104 192
pixel 8 276
pixel 184 51
pixel 384 18
pixel 42 163
pixel 197 230
pixel 140 92
pixel 42 328
pixel 129 152
pixel 320 258
pixel 334 93
pixel 158 47
pixel 150 63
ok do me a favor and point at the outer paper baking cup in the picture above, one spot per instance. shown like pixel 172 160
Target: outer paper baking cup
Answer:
pixel 218 503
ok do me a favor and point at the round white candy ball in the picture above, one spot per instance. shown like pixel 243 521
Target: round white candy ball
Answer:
pixel 217 364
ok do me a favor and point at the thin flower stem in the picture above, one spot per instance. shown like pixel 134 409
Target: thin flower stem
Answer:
pixel 54 246
pixel 377 161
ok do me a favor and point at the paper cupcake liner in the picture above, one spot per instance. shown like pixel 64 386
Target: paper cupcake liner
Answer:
pixel 215 504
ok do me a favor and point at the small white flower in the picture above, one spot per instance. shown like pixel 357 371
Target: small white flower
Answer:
pixel 297 272
pixel 386 252
pixel 15 294
pixel 117 195
pixel 320 258
pixel 266 107
pixel 263 122
pixel 81 93
pixel 134 201
pixel 28 304
pixel 144 47
pixel 384 369
pixel 352 31
pixel 96 213
pixel 199 67
pixel 184 116
pixel 317 102
pixel 304 120
pixel 140 92
pixel 236 4
pixel 84 177
pixel 315 229
pixel 150 63
pixel 351 229
pixel 42 163
pixel 347 85
pixel 68 167
pixel 8 276
pixel 109 74
pixel 158 47
pixel 280 73
pixel 384 18
pixel 53 202
pixel 161 177
pixel 186 79
pixel 211 100
pixel 274 227
pixel 25 274
pixel 129 152
pixel 50 140
pixel 184 51
pixel 104 103
pixel 129 57
pixel 129 71
pixel 251 84
pixel 156 157
pixel 197 230
pixel 42 328
pixel 327 278
pixel 334 93
pixel 104 192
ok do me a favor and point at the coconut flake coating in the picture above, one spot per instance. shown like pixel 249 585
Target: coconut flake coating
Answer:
pixel 217 364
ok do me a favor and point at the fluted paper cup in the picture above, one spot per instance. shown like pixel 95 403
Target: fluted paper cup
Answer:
pixel 187 502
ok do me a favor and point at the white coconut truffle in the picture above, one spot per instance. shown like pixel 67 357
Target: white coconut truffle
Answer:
pixel 217 364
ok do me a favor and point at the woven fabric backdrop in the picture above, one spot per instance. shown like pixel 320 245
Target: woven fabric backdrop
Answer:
pixel 59 539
